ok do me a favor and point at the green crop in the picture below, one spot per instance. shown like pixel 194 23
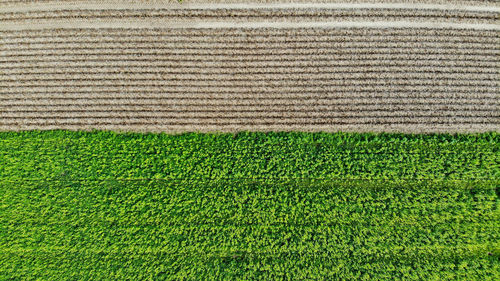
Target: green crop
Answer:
pixel 110 206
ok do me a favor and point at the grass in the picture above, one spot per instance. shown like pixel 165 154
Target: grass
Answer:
pixel 102 205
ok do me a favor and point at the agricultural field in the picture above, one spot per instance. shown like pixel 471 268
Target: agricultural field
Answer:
pixel 112 206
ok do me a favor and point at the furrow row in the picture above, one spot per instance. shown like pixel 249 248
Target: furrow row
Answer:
pixel 165 63
pixel 486 78
pixel 242 38
pixel 213 2
pixel 245 33
pixel 407 127
pixel 421 90
pixel 194 45
pixel 190 21
pixel 245 13
pixel 242 70
pixel 493 116
pixel 348 44
pixel 225 102
pixel 265 93
pixel 101 58
pixel 270 83
pixel 248 51
pixel 380 120
pixel 269 108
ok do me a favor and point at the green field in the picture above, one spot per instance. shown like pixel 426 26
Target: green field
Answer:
pixel 108 206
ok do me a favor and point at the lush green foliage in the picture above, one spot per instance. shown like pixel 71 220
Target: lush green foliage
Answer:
pixel 101 205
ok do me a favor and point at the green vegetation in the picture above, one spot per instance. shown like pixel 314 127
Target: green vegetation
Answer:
pixel 108 206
